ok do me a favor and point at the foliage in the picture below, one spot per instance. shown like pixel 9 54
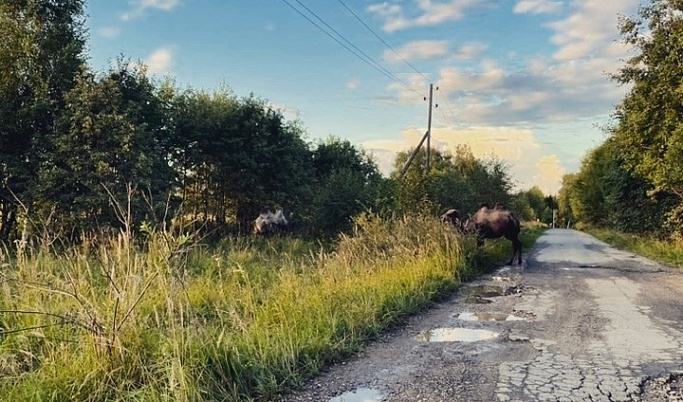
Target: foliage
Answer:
pixel 669 251
pixel 171 320
pixel 108 144
pixel 346 182
pixel 605 194
pixel 530 205
pixel 649 129
pixel 41 52
pixel 236 157
pixel 457 180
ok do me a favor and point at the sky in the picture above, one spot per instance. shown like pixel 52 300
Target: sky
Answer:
pixel 526 81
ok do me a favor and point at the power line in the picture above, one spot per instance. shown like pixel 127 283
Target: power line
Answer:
pixel 357 52
pixel 450 109
pixel 382 40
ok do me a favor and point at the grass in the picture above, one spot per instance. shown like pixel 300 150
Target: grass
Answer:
pixel 169 319
pixel 669 252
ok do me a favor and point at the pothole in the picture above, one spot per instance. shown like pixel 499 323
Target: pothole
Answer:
pixel 488 317
pixel 665 388
pixel 485 291
pixel 359 395
pixel 475 300
pixel 457 335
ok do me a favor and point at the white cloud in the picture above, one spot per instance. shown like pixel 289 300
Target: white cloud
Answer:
pixel 471 51
pixel 140 6
pixel 537 7
pixel 160 61
pixel 590 28
pixel 428 13
pixel 159 4
pixel 109 32
pixel 549 176
pixel 418 50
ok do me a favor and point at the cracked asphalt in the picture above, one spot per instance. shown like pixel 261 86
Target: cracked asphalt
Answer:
pixel 578 321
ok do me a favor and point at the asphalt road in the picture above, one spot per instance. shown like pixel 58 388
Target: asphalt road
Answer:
pixel 578 321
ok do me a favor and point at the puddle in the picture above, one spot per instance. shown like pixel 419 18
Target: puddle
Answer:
pixel 475 300
pixel 488 317
pixel 457 335
pixel 485 291
pixel 359 395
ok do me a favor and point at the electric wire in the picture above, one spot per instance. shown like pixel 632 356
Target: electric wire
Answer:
pixel 358 52
pixel 382 40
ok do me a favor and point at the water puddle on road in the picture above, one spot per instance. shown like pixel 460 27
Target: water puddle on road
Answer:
pixel 476 300
pixel 457 335
pixel 359 395
pixel 488 317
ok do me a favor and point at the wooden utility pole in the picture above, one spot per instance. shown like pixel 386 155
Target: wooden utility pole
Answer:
pixel 427 136
pixel 429 127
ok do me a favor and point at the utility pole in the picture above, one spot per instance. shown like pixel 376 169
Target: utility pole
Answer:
pixel 429 126
pixel 427 136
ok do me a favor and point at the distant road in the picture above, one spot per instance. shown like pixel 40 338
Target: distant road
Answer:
pixel 579 321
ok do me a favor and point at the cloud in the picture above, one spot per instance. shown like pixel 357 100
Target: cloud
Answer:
pixel 516 146
pixel 549 176
pixel 160 4
pixel 289 112
pixel 352 84
pixel 590 28
pixel 537 7
pixel 109 32
pixel 471 51
pixel 160 61
pixel 427 13
pixel 140 6
pixel 418 50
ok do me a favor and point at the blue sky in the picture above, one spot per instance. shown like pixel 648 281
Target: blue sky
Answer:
pixel 525 80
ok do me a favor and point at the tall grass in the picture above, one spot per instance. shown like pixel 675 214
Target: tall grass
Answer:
pixel 666 251
pixel 171 320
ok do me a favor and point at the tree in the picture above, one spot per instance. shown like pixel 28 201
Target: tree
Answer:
pixel 649 129
pixel 605 193
pixel 111 139
pixel 41 52
pixel 346 182
pixel 454 181
pixel 236 157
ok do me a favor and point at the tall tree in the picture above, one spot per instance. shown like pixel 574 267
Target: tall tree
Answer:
pixel 237 156
pixel 112 139
pixel 41 52
pixel 649 128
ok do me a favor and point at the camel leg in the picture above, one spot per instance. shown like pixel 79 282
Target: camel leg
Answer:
pixel 516 249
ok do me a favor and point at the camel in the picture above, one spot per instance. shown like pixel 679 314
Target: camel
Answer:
pixel 494 223
pixel 269 223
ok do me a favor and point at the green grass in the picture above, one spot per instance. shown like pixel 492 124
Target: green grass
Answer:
pixel 172 320
pixel 669 252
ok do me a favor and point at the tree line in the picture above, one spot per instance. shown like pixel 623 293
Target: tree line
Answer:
pixel 633 182
pixel 82 150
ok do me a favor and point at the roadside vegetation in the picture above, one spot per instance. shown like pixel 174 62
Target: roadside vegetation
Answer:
pixel 168 318
pixel 668 251
pixel 630 188
pixel 127 267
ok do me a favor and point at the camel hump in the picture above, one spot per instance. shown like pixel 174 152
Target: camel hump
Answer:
pixel 500 206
